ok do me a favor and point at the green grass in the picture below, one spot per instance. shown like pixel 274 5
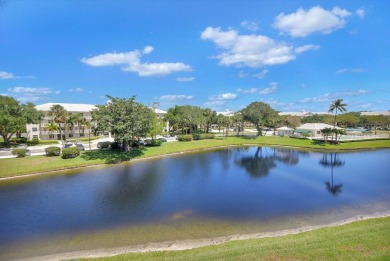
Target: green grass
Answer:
pixel 363 240
pixel 21 166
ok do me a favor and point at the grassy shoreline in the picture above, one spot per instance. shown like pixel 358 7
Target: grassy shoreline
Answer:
pixel 16 167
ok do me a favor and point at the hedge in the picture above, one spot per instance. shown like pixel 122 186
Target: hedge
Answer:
pixel 53 151
pixel 154 143
pixel 184 138
pixel 207 136
pixel 70 153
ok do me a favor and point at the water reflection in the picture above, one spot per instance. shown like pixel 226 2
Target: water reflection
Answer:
pixel 332 160
pixel 264 159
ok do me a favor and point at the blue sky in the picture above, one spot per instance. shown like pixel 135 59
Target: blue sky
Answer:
pixel 293 55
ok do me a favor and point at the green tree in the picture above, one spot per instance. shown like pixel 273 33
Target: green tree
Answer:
pixel 59 115
pixel 14 117
pixel 210 117
pixel 187 118
pixel 238 121
pixel 335 106
pixel 73 120
pixel 260 114
pixel 52 126
pixel 126 119
pixel 292 121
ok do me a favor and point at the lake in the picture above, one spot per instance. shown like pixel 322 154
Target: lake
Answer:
pixel 189 196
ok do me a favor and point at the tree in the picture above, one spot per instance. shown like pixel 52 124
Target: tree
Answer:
pixel 337 105
pixel 52 126
pixel 292 121
pixel 185 117
pixel 59 115
pixel 239 122
pixel 326 132
pixel 126 119
pixel 75 119
pixel 260 114
pixel 14 117
pixel 157 127
pixel 209 118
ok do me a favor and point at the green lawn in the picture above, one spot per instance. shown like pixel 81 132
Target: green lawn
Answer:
pixel 363 240
pixel 21 166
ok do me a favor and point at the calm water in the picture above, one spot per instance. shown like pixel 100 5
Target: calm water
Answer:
pixel 251 184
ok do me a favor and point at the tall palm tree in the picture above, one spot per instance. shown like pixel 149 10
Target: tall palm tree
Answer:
pixel 337 105
pixel 59 116
pixel 75 119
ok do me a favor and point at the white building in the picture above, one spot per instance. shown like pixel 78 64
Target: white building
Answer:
pixel 285 131
pixel 40 130
pixel 314 129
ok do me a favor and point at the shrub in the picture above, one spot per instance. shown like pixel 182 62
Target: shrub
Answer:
pixel 184 138
pixel 20 153
pixel 154 143
pixel 19 140
pixel 53 151
pixel 104 144
pixel 114 145
pixel 198 136
pixel 34 141
pixel 70 153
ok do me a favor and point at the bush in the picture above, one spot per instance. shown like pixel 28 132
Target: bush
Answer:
pixel 53 151
pixel 184 138
pixel 104 144
pixel 19 140
pixel 20 153
pixel 70 153
pixel 154 143
pixel 34 141
pixel 114 145
pixel 207 136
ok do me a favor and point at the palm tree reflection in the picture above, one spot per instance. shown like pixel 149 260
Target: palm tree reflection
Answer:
pixel 332 160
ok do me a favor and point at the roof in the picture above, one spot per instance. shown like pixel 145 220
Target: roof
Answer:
pixel 372 113
pixel 284 128
pixel 71 107
pixel 315 126
pixel 158 111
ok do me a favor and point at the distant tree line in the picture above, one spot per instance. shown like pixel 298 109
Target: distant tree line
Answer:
pixel 127 119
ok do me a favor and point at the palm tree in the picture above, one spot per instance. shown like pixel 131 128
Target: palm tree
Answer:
pixel 74 119
pixel 59 116
pixel 337 105
pixel 52 127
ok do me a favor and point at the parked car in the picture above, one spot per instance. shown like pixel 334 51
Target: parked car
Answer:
pixel 68 144
pixel 79 145
pixel 24 146
pixel 163 139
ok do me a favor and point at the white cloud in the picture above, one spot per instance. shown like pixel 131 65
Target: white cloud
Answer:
pixel 351 70
pixel 131 62
pixel 6 75
pixel 175 98
pixel 223 97
pixel 315 20
pixel 250 50
pixel 78 90
pixel 185 79
pixel 251 26
pixel 273 87
pixel 361 13
pixel 28 94
pixel 304 48
pixel 261 74
pixel 215 103
pixel 327 97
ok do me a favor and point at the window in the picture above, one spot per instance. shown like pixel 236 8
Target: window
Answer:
pixel 70 135
pixel 81 134
pixel 51 136
pixel 318 132
pixel 35 136
pixel 34 129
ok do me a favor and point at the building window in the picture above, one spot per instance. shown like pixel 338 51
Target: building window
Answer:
pixel 51 136
pixel 70 135
pixel 81 134
pixel 34 129
pixel 35 136
pixel 318 132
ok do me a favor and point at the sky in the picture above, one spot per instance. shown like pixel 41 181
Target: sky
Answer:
pixel 223 55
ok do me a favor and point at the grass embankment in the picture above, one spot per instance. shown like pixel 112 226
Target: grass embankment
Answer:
pixel 363 240
pixel 21 166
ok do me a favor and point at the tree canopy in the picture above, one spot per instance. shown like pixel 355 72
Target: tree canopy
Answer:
pixel 14 117
pixel 260 114
pixel 124 118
